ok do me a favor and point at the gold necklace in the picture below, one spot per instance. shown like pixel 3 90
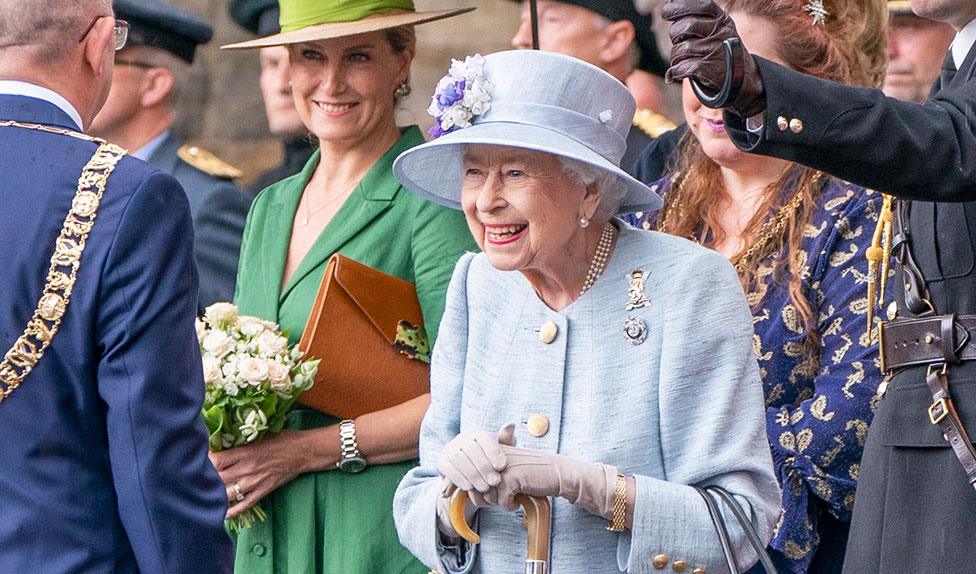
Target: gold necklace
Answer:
pixel 309 212
pixel 771 229
pixel 600 258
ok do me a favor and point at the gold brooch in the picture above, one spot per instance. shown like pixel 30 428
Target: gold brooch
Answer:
pixel 636 299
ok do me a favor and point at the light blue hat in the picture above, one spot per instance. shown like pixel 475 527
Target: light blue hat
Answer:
pixel 528 99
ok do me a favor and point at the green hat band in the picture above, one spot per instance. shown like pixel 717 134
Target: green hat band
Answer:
pixel 298 14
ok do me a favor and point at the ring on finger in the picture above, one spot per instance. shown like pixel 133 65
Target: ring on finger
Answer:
pixel 238 495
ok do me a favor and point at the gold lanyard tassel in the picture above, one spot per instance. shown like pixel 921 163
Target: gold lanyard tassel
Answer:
pixel 878 256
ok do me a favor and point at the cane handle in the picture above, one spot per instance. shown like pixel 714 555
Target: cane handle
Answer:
pixel 536 517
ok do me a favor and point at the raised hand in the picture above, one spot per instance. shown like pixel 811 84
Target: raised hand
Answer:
pixel 707 50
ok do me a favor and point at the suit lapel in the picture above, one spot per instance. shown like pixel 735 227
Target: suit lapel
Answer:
pixel 356 213
pixel 966 70
pixel 373 196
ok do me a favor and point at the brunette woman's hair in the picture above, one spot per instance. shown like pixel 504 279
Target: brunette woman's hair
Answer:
pixel 848 47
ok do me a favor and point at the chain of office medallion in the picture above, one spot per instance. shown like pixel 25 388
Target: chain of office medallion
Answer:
pixel 30 346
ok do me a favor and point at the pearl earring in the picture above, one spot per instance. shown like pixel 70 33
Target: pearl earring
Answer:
pixel 584 222
pixel 402 91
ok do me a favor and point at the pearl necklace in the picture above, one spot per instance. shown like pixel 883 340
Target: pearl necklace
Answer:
pixel 600 258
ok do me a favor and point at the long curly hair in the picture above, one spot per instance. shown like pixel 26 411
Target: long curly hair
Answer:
pixel 850 48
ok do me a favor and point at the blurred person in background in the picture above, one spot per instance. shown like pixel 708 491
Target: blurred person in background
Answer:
pixel 613 36
pixel 916 48
pixel 261 18
pixel 142 107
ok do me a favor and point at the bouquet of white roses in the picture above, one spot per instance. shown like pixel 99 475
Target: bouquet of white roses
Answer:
pixel 252 380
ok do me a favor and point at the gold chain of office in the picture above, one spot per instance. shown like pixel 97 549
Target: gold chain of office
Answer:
pixel 30 346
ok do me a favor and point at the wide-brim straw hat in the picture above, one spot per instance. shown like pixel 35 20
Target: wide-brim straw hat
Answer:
pixel 540 101
pixel 313 20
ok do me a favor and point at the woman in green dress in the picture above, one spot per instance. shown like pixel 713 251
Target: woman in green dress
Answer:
pixel 350 63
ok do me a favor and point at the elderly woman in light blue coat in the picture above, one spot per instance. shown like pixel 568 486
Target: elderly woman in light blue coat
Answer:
pixel 578 358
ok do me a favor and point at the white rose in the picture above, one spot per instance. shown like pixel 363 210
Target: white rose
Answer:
pixel 201 329
pixel 253 370
pixel 218 344
pixel 250 326
pixel 230 367
pixel 277 373
pixel 272 344
pixel 211 368
pixel 221 312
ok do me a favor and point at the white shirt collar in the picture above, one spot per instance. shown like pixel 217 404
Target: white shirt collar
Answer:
pixel 18 88
pixel 146 151
pixel 963 43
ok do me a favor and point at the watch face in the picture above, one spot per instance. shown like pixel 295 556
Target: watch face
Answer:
pixel 352 465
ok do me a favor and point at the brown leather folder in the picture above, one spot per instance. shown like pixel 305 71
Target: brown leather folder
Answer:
pixel 353 330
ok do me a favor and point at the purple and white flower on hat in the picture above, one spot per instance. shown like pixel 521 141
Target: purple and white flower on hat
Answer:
pixel 460 96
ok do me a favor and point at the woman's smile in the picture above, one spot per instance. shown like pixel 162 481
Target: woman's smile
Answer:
pixel 504 234
pixel 334 110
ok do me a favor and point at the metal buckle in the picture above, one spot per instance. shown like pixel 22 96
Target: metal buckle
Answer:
pixel 935 415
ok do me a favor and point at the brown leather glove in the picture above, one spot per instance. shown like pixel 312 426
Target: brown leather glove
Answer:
pixel 704 39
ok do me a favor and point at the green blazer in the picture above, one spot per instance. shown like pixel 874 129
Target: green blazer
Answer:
pixel 332 522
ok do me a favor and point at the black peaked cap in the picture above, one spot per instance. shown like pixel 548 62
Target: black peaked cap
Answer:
pixel 156 23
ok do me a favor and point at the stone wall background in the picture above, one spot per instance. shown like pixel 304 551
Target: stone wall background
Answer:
pixel 222 110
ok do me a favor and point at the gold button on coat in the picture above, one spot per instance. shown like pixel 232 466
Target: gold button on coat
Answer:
pixel 679 566
pixel 698 571
pixel 548 332
pixel 796 125
pixel 659 561
pixel 782 123
pixel 538 425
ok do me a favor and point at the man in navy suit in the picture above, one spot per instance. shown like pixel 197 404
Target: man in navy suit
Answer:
pixel 104 454
pixel 142 107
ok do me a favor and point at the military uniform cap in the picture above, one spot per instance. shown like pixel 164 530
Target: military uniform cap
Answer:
pixel 257 16
pixel 614 10
pixel 156 23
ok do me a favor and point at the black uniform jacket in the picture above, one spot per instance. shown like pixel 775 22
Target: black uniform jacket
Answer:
pixel 219 209
pixel 914 511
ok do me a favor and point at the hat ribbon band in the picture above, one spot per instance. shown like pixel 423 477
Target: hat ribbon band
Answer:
pixel 586 130
pixel 298 14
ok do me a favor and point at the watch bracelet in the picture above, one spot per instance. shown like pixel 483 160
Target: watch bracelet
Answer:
pixel 618 521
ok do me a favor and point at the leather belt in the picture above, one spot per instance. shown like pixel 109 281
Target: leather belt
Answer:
pixel 926 341
pixel 942 412
pixel 938 342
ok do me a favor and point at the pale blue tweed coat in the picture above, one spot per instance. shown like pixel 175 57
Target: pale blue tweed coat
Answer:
pixel 685 407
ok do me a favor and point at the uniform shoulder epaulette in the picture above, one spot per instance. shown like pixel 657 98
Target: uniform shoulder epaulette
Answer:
pixel 207 162
pixel 652 123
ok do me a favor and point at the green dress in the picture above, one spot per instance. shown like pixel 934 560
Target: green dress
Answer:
pixel 331 522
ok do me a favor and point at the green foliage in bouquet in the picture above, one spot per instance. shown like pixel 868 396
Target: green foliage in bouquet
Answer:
pixel 253 379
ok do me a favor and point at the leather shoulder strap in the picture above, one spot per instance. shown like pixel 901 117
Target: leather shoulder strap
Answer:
pixel 30 346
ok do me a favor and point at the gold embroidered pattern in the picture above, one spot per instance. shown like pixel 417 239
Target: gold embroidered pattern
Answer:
pixel 818 408
pixel 30 346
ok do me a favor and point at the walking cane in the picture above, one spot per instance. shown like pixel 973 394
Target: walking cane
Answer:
pixel 536 519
